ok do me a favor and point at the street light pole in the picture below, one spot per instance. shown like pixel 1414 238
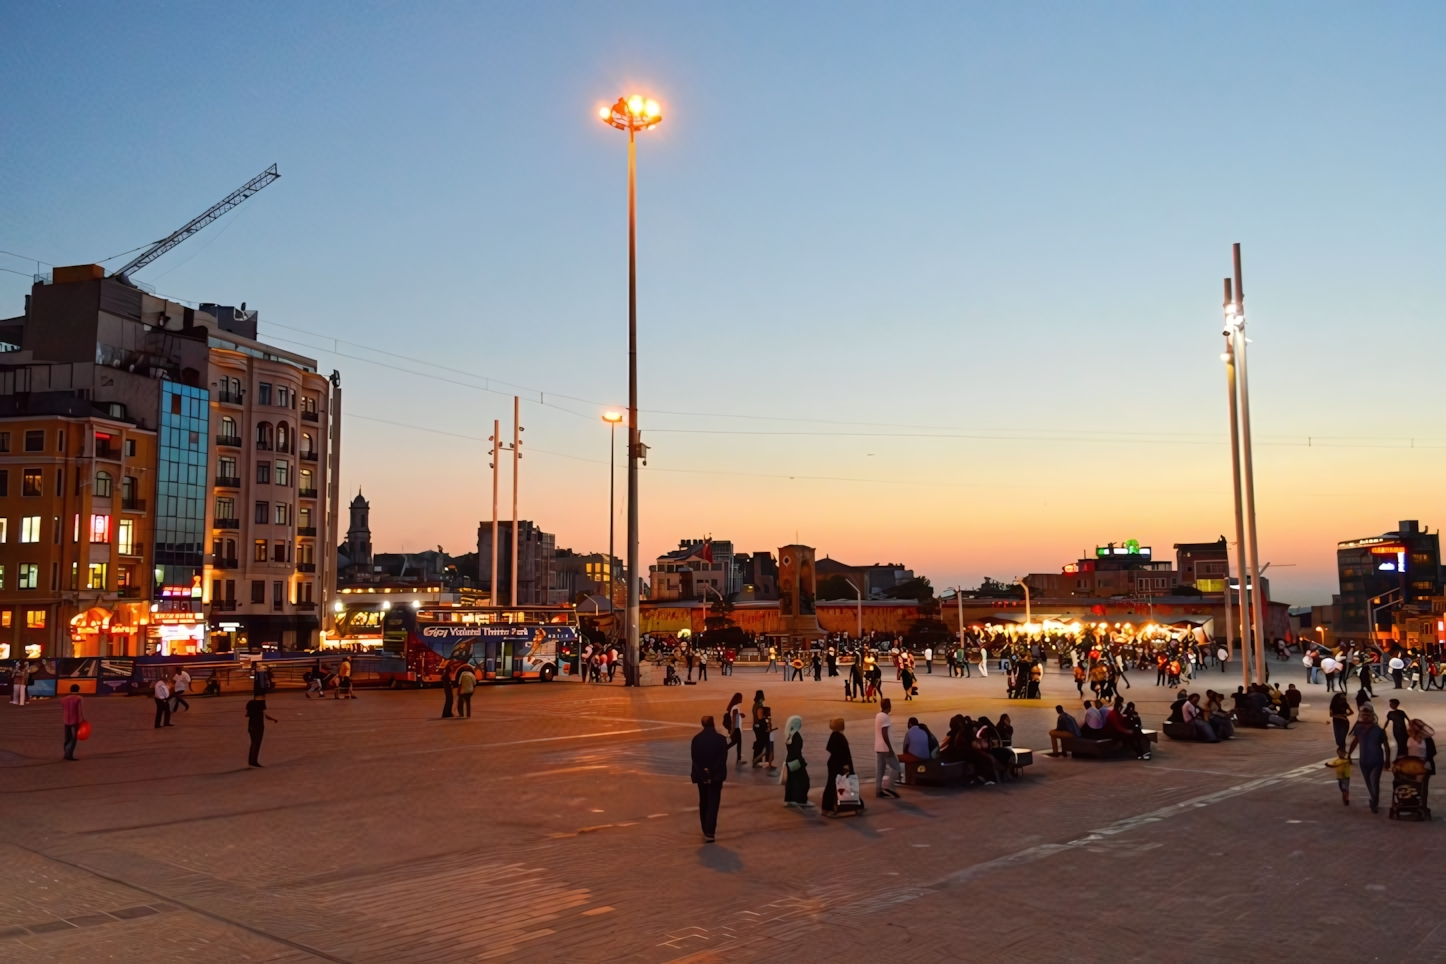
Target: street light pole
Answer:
pixel 860 594
pixel 516 454
pixel 633 114
pixel 1246 586
pixel 612 418
pixel 1257 586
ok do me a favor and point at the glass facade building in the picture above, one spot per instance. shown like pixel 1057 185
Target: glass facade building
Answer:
pixel 181 491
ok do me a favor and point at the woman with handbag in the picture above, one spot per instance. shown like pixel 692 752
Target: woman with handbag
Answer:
pixel 840 765
pixel 794 775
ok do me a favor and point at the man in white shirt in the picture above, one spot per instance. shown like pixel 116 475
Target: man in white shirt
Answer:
pixel 1094 720
pixel 163 702
pixel 929 659
pixel 884 751
pixel 178 694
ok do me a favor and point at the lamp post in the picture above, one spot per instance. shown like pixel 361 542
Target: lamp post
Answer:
pixel 1027 615
pixel 633 114
pixel 612 418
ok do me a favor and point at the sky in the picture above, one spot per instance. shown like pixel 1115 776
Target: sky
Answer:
pixel 932 284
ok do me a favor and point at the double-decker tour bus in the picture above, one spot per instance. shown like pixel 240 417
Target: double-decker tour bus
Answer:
pixel 499 642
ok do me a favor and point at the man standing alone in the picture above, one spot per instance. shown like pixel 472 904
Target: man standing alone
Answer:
pixel 884 751
pixel 710 769
pixel 256 717
pixel 162 694
pixel 72 716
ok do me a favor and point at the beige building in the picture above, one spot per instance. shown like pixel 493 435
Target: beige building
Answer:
pixel 272 513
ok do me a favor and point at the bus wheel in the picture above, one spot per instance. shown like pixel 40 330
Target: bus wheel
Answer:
pixel 548 672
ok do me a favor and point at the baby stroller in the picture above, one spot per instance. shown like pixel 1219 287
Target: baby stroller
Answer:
pixel 672 679
pixel 1408 790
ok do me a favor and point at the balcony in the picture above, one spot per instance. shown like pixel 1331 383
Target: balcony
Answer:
pixel 310 417
pixel 284 449
pixel 230 398
pixel 308 456
pixel 226 523
pixel 107 452
pixel 128 592
pixel 306 567
pixel 262 445
pixel 306 493
pixel 133 505
pixel 230 441
pixel 223 605
pixel 306 607
pixel 306 530
pixel 220 562
pixel 227 482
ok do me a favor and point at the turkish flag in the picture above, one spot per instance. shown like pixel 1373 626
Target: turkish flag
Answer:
pixel 708 551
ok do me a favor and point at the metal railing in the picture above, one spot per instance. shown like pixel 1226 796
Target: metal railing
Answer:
pixel 230 441
pixel 228 482
pixel 226 523
pixel 227 398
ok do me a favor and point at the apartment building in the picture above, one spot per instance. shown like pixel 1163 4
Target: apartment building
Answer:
pixel 272 506
pixel 120 528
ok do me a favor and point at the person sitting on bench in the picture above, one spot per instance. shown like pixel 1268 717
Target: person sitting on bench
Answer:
pixel 1064 726
pixel 1117 727
pixel 959 747
pixel 1195 716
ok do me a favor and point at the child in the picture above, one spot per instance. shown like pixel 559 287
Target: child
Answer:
pixel 848 689
pixel 1342 765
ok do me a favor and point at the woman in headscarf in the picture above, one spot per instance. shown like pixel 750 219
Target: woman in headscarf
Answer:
pixel 840 763
pixel 1421 744
pixel 795 770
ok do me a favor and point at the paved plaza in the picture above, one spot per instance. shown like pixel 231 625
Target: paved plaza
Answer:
pixel 559 824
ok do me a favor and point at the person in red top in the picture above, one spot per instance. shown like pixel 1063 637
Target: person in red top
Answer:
pixel 72 715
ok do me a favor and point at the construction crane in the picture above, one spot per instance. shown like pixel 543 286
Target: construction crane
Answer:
pixel 197 223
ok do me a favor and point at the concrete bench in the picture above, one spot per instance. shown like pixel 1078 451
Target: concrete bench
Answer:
pixel 1102 748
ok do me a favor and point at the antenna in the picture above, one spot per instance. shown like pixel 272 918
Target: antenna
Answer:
pixel 197 223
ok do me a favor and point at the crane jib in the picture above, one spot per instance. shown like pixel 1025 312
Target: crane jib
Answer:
pixel 200 221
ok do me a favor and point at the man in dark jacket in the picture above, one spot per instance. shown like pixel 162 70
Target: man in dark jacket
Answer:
pixel 710 769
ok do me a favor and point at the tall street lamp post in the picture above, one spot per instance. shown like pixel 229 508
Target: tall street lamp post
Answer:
pixel 633 114
pixel 612 418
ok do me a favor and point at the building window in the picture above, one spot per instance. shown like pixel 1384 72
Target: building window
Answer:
pixel 228 427
pixel 278 595
pixel 6 619
pixel 283 437
pixel 35 441
pixel 263 436
pixel 225 508
pixel 5 447
pixel 263 393
pixel 4 482
pixel 278 552
pixel 307 446
pixel 126 537
pixel 130 448
pixel 259 550
pixel 263 473
pixel 60 482
pixel 30 528
pixel 262 508
pixel 100 528
pixel 30 486
pixel 226 468
pixel 303 518
pixel 283 514
pixel 308 404
pixel 283 396
pixel 29 576
pixel 128 492
pixel 2 586
pixel 102 485
pixel 308 483
pixel 34 619
pixel 95 576
pixel 283 472
pixel 258 590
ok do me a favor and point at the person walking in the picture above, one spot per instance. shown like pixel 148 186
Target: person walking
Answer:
pixel 702 665
pixel 794 775
pixel 178 692
pixel 343 680
pixel 447 698
pixel 710 769
pixel 1341 713
pixel 760 729
pixel 908 680
pixel 162 693
pixel 840 764
pixel 1342 766
pixel 884 752
pixel 733 724
pixel 256 717
pixel 929 660
pixel 1397 719
pixel 772 659
pixel 72 714
pixel 19 682
pixel 1375 754
pixel 466 686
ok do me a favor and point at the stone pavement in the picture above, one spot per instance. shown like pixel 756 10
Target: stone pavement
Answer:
pixel 558 824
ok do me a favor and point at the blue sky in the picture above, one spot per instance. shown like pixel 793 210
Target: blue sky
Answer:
pixel 1005 225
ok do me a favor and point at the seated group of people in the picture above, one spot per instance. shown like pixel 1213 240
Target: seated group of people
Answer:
pixel 1102 721
pixel 981 746
pixel 1262 701
pixel 1209 719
